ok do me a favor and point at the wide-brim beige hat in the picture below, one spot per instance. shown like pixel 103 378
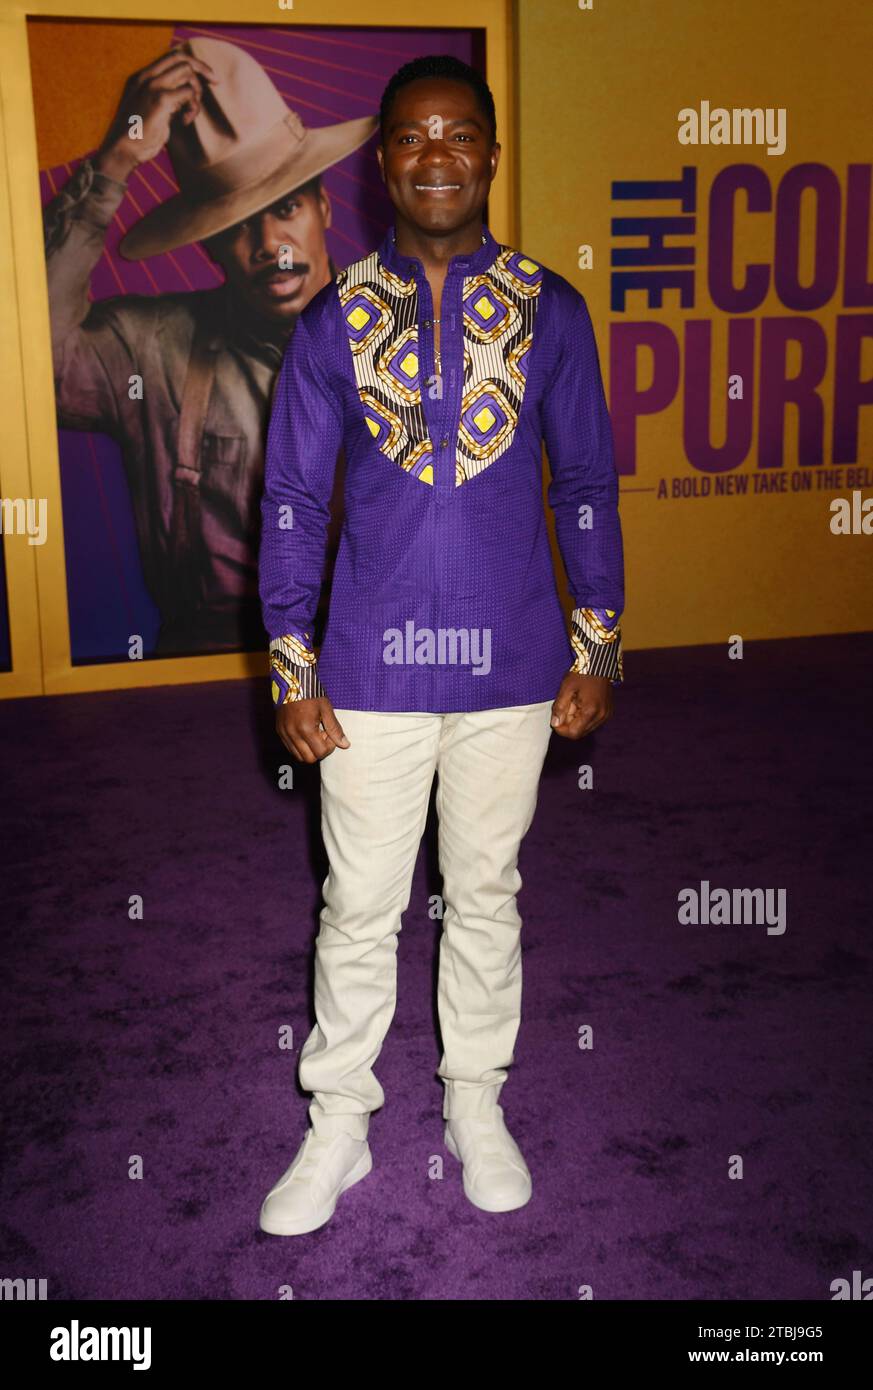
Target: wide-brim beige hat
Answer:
pixel 242 152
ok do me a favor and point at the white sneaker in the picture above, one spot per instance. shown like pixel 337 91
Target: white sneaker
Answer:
pixel 496 1177
pixel 306 1195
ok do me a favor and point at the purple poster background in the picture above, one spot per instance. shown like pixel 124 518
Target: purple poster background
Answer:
pixel 326 75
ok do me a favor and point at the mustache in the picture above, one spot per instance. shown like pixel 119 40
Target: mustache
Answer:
pixel 268 271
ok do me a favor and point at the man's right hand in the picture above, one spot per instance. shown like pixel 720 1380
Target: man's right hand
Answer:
pixel 156 94
pixel 297 725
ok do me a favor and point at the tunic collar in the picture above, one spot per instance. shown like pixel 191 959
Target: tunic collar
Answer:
pixel 407 267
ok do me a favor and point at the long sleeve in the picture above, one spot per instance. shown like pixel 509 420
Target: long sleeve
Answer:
pixel 93 357
pixel 303 442
pixel 583 494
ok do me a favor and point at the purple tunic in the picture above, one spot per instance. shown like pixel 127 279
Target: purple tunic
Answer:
pixel 444 595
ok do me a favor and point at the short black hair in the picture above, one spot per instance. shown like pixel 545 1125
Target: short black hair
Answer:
pixel 439 65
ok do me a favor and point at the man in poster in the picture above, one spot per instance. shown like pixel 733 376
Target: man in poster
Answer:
pixel 183 381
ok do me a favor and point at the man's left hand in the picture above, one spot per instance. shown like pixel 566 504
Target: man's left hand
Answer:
pixel 582 704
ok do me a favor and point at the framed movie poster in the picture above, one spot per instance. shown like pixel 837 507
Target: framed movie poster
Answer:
pixel 153 318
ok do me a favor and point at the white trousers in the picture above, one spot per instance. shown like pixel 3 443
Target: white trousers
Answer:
pixel 374 801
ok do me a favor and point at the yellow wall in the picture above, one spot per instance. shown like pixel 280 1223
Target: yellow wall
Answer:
pixel 600 91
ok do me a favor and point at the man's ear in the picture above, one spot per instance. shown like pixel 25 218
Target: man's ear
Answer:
pixel 380 160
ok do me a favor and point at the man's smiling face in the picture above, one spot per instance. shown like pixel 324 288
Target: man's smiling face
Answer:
pixel 438 159
pixel 249 254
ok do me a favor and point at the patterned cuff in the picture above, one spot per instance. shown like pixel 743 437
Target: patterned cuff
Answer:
pixel 596 638
pixel 293 670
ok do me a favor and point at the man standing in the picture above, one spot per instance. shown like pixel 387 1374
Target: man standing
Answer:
pixel 183 381
pixel 440 362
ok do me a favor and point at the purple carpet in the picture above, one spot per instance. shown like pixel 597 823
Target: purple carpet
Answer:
pixel 159 1037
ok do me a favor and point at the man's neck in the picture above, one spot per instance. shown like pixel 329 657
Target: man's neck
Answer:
pixel 435 251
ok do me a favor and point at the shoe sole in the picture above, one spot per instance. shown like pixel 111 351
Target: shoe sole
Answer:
pixel 302 1226
pixel 477 1202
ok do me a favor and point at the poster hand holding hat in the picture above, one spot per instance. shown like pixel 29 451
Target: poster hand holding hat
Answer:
pixel 234 143
pixel 152 97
